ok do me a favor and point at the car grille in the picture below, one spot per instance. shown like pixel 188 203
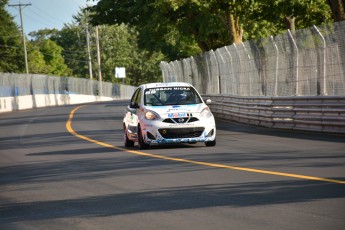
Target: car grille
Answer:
pixel 180 120
pixel 181 132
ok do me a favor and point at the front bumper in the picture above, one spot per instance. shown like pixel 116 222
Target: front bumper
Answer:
pixel 158 132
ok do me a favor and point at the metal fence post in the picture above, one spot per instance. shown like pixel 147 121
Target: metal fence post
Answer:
pixel 250 76
pixel 219 54
pixel 262 91
pixel 276 67
pixel 218 91
pixel 324 88
pixel 239 60
pixel 231 69
pixel 296 73
pixel 162 66
pixel 184 69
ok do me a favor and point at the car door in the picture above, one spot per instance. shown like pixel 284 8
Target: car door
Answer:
pixel 132 112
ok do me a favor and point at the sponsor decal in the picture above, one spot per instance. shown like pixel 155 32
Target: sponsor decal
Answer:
pixel 181 125
pixel 182 108
pixel 176 115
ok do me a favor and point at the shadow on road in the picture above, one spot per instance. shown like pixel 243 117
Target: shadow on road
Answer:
pixel 181 198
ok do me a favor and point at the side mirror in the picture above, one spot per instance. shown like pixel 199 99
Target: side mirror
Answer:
pixel 208 101
pixel 134 105
pixel 131 110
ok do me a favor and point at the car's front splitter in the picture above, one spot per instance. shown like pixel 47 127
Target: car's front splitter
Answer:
pixel 160 140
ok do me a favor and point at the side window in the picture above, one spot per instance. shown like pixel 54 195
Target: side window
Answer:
pixel 134 97
pixel 139 97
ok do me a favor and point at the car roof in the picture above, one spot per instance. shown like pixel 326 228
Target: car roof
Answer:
pixel 165 84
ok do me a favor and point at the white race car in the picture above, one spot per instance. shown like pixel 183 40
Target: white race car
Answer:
pixel 167 113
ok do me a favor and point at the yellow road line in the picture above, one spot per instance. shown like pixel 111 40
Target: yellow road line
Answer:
pixel 70 129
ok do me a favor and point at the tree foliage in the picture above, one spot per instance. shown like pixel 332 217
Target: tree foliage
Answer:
pixel 45 55
pixel 53 58
pixel 118 48
pixel 11 51
pixel 296 14
pixel 172 25
pixel 36 62
pixel 338 9
pixel 138 34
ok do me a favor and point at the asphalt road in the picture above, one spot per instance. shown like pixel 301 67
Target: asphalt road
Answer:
pixel 70 171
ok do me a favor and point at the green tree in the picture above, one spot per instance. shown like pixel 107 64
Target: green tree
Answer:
pixel 11 51
pixel 53 58
pixel 208 23
pixel 72 37
pixel 152 20
pixel 173 26
pixel 119 48
pixel 296 14
pixel 43 34
pixel 36 62
pixel 338 9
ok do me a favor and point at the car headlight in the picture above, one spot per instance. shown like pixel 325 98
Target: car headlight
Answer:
pixel 206 113
pixel 150 115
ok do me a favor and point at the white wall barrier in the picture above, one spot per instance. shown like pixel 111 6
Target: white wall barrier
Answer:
pixel 8 104
pixel 322 113
pixel 27 91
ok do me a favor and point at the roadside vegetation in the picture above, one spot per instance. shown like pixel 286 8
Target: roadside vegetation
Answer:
pixel 138 34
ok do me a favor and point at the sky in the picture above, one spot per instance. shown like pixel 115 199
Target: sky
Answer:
pixel 46 14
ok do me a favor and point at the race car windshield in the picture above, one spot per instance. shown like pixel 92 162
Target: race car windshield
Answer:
pixel 171 96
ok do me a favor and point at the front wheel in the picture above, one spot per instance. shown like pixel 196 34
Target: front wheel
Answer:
pixel 210 143
pixel 127 142
pixel 141 143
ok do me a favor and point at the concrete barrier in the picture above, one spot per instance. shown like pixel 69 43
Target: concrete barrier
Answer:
pixel 27 91
pixel 8 104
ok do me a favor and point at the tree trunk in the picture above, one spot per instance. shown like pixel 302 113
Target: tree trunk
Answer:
pixel 234 28
pixel 291 23
pixel 338 9
pixel 202 44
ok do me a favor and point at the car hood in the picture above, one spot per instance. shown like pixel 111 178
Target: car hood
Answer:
pixel 194 108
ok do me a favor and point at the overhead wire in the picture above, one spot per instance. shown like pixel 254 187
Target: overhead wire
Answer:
pixel 36 20
pixel 45 20
pixel 52 18
pixel 66 58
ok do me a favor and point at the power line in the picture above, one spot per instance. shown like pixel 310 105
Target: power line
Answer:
pixel 65 58
pixel 10 36
pixel 74 52
pixel 13 47
pixel 37 19
pixel 43 14
pixel 53 19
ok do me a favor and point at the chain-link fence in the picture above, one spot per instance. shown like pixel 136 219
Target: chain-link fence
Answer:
pixel 309 62
pixel 32 84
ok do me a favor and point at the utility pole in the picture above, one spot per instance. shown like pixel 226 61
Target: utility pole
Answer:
pixel 23 34
pixel 89 50
pixel 98 56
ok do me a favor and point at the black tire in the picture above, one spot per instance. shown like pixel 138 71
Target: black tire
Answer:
pixel 141 143
pixel 127 142
pixel 210 143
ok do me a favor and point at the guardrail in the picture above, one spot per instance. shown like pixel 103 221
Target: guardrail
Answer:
pixel 309 113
